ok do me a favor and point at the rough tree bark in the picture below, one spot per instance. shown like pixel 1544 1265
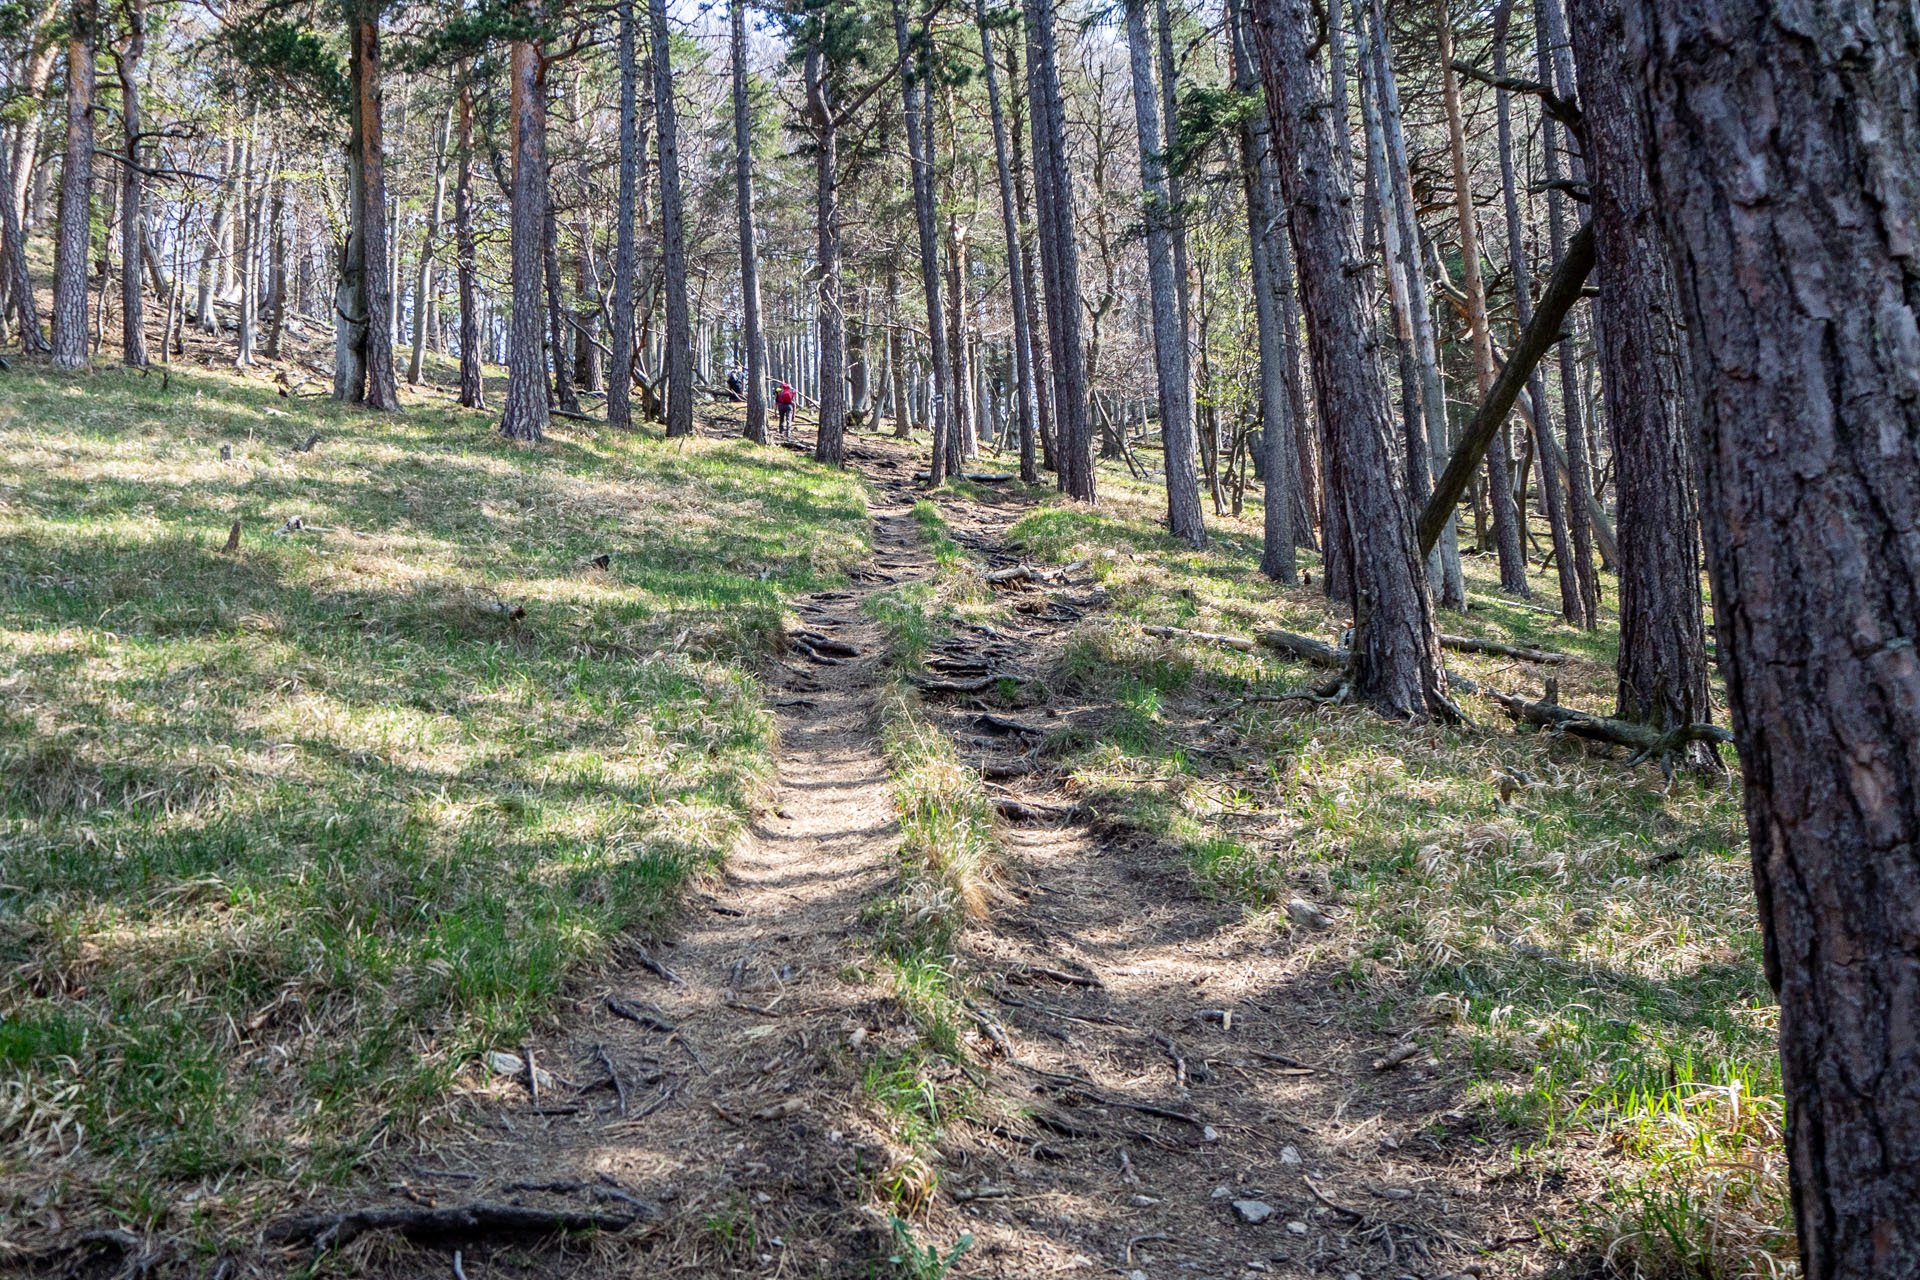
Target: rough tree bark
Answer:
pixel 133 322
pixel 830 440
pixel 1029 264
pixel 525 416
pixel 1060 255
pixel 1785 163
pixel 752 336
pixel 382 390
pixel 1396 651
pixel 13 260
pixel 70 344
pixel 620 376
pixel 561 392
pixel 423 269
pixel 1643 368
pixel 1025 410
pixel 472 388
pixel 1169 330
pixel 678 336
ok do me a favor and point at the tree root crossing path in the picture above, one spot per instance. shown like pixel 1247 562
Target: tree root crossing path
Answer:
pixel 1146 1081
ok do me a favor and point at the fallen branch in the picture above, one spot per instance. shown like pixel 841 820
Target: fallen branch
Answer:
pixel 1473 644
pixel 1020 811
pixel 1548 714
pixel 653 966
pixel 462 1222
pixel 1241 643
pixel 1318 652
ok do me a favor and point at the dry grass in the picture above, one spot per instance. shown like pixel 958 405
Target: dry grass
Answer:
pixel 288 836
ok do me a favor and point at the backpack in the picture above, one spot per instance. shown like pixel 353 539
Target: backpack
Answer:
pixel 784 396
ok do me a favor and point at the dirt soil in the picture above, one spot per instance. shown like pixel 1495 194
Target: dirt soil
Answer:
pixel 1159 1090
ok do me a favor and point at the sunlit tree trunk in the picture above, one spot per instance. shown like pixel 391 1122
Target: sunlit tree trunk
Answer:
pixel 915 96
pixel 472 388
pixel 70 344
pixel 673 236
pixel 752 337
pixel 830 442
pixel 423 270
pixel 1025 410
pixel 133 322
pixel 525 417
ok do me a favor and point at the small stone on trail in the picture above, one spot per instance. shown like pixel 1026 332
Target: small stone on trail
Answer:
pixel 1395 1193
pixel 1302 912
pixel 1289 1155
pixel 1209 1134
pixel 1221 1193
pixel 1254 1211
pixel 1297 1228
pixel 1144 1202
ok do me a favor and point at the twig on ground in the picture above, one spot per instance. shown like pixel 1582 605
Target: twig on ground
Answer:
pixel 619 1085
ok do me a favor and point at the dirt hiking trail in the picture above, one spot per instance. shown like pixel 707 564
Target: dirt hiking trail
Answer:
pixel 1155 1090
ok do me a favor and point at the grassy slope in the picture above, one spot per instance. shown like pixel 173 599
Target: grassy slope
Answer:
pixel 1498 885
pixel 286 836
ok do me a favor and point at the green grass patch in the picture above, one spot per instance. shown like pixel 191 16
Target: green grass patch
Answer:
pixel 1490 882
pixel 288 835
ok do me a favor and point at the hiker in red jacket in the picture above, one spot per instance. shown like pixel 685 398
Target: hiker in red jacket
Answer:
pixel 784 397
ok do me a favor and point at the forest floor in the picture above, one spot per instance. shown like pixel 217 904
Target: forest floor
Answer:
pixel 1089 962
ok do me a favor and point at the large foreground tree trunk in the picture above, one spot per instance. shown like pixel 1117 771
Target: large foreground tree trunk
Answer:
pixel 673 235
pixel 1396 651
pixel 752 336
pixel 70 339
pixel 382 380
pixel 1169 329
pixel 526 417
pixel 1643 369
pixel 1785 164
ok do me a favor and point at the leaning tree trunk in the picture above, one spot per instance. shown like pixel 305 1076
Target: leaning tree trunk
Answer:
pixel 1277 424
pixel 133 321
pixel 1643 370
pixel 1025 408
pixel 1506 516
pixel 1396 651
pixel 673 236
pixel 1169 331
pixel 1785 159
pixel 472 387
pixel 915 91
pixel 13 261
pixel 752 337
pixel 70 346
pixel 1572 604
pixel 1060 255
pixel 830 441
pixel 525 417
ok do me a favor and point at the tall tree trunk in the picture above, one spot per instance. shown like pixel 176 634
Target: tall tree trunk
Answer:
pixel 1663 653
pixel 133 321
pixel 916 90
pixel 1025 410
pixel 1506 516
pixel 673 236
pixel 276 270
pixel 76 182
pixel 1029 265
pixel 203 315
pixel 382 384
pixel 1785 158
pixel 830 441
pixel 1277 423
pixel 1060 255
pixel 1397 190
pixel 247 250
pixel 559 349
pixel 963 439
pixel 1556 69
pixel 1572 604
pixel 525 417
pixel 902 394
pixel 620 378
pixel 1176 194
pixel 586 315
pixel 13 261
pixel 423 270
pixel 752 337
pixel 472 388
pixel 1396 651
pixel 1169 339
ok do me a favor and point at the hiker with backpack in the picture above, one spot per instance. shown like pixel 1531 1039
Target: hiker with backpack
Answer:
pixel 784 398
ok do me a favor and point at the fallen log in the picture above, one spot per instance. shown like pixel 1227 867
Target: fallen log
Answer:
pixel 430 1226
pixel 1317 652
pixel 1645 740
pixel 1020 811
